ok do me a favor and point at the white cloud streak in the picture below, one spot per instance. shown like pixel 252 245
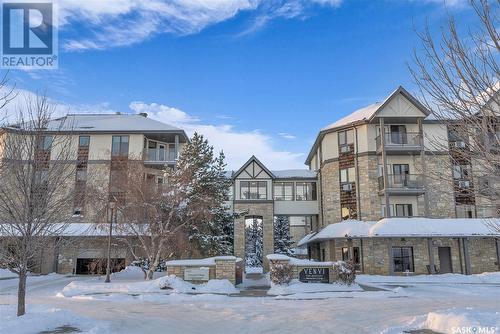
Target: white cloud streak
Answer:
pixel 107 24
pixel 238 146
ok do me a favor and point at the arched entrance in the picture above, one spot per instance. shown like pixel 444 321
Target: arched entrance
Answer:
pixel 254 242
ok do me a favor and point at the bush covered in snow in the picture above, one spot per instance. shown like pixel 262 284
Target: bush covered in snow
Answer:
pixel 344 272
pixel 281 273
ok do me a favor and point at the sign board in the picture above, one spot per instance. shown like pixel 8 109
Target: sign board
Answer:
pixel 314 275
pixel 196 274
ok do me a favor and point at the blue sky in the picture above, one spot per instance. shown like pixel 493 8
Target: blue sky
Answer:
pixel 255 76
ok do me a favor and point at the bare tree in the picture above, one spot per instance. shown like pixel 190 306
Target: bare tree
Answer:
pixel 36 169
pixel 458 77
pixel 154 220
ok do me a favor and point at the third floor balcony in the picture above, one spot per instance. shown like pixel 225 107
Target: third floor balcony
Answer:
pixel 399 142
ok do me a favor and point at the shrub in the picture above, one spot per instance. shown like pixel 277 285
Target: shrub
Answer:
pixel 344 272
pixel 281 273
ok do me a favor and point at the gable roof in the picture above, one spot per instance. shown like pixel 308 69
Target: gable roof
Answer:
pixel 257 161
pixel 110 123
pixel 365 115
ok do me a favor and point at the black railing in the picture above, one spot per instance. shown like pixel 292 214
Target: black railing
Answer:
pixel 402 182
pixel 400 139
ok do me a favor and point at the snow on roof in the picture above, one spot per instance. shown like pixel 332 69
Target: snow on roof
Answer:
pixel 348 228
pixel 210 261
pixel 109 123
pixel 294 173
pixel 295 261
pixel 362 114
pixel 433 227
pixel 404 227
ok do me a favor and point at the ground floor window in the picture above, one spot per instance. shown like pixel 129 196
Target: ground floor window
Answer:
pixel 402 258
pixel 345 253
pixel 404 210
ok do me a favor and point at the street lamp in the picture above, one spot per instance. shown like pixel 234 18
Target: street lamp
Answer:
pixel 112 207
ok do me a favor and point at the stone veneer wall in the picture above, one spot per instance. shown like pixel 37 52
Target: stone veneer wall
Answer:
pixel 369 200
pixel 376 258
pixel 296 269
pixel 330 186
pixel 264 209
pixel 439 187
pixel 179 272
pixel 224 268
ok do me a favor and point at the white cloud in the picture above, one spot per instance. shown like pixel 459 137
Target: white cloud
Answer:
pixel 238 146
pixel 106 24
pixel 286 135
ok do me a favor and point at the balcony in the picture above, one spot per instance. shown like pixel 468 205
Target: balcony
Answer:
pixel 400 142
pixel 402 184
pixel 160 156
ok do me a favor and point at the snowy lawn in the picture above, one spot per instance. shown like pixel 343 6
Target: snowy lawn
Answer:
pixel 165 285
pixel 5 273
pixel 45 318
pixel 438 303
pixel 453 321
pixel 297 287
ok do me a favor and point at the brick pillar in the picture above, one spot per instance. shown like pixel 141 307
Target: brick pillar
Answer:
pixel 225 268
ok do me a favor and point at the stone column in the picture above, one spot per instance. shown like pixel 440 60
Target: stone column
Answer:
pixel 239 237
pixel 225 268
pixel 431 256
pixel 384 168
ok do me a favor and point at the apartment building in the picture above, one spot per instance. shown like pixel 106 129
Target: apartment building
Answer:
pixel 102 148
pixel 418 180
pixel 104 144
pixel 262 194
pixel 390 160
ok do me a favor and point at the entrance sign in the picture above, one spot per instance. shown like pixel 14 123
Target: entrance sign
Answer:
pixel 314 275
pixel 196 274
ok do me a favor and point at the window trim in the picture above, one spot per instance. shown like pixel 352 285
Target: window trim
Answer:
pixel 120 145
pixel 410 257
pixel 314 192
pixel 248 187
pixel 282 185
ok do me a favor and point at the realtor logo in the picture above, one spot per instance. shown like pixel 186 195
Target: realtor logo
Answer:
pixel 29 36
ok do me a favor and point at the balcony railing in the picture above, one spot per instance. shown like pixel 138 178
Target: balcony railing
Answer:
pixel 402 182
pixel 160 155
pixel 400 140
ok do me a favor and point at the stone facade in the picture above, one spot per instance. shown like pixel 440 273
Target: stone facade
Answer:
pixel 439 187
pixel 369 199
pixel 261 209
pixel 330 196
pixel 376 253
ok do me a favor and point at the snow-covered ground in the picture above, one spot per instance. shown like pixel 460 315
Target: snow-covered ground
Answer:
pixel 440 303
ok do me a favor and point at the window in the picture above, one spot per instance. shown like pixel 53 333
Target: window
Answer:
pixel 45 143
pixel 345 254
pixel 345 139
pixel 172 152
pixel 404 210
pixel 305 191
pixel 84 141
pixel 81 175
pixel 41 177
pixel 460 172
pixel 119 146
pixel 398 134
pixel 402 259
pixel 465 211
pixel 283 191
pixel 347 175
pixel 253 190
pixel 348 213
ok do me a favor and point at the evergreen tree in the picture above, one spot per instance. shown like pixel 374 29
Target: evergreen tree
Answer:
pixel 282 239
pixel 253 243
pixel 214 235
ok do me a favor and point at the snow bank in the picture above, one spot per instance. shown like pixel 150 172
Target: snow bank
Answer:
pixel 6 273
pixel 488 278
pixel 165 284
pixel 45 318
pixel 296 286
pixel 453 321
